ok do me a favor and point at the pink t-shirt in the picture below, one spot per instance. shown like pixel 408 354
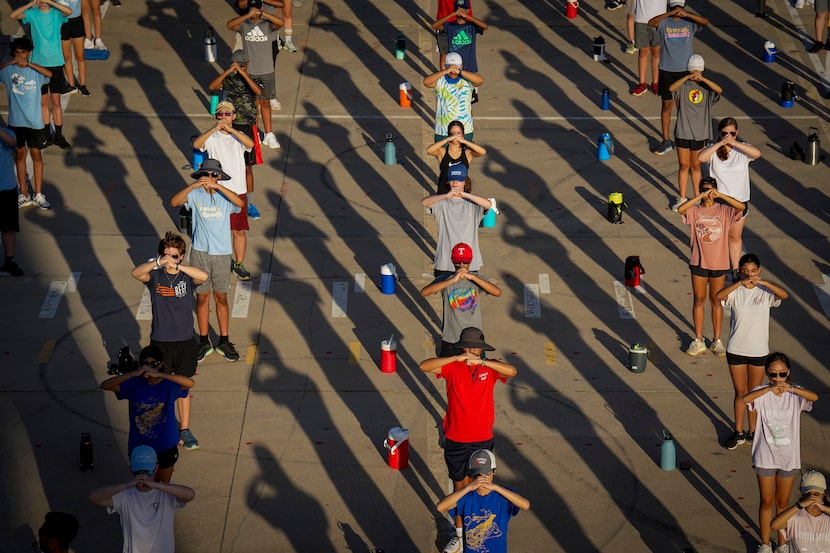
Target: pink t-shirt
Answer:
pixel 708 236
pixel 777 443
pixel 808 534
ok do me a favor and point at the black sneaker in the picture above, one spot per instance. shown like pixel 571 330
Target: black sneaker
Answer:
pixel 203 350
pixel 227 349
pixel 12 268
pixel 83 90
pixel 614 5
pixel 474 99
pixel 70 89
pixel 750 437
pixel 61 142
pixel 816 48
pixel 115 3
pixel 736 439
pixel 241 271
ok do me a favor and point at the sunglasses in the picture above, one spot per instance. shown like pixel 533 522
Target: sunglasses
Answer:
pixel 224 113
pixel 141 472
pixel 778 375
pixel 152 364
pixel 727 133
pixel 174 255
pixel 212 175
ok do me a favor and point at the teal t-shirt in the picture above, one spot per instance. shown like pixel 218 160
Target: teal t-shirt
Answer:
pixel 46 35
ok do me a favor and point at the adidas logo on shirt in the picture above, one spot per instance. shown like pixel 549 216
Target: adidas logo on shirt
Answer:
pixel 256 35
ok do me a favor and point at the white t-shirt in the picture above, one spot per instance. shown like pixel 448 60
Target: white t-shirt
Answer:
pixel 644 10
pixel 732 174
pixel 777 443
pixel 809 534
pixel 749 325
pixel 146 520
pixel 231 154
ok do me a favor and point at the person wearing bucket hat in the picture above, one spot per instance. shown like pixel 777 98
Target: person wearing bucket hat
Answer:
pixel 454 89
pixel 461 298
pixel 485 507
pixel 807 521
pixel 146 507
pixel 468 424
pixel 212 205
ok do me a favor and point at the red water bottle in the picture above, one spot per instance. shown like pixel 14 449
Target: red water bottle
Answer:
pixel 572 9
pixel 633 270
pixel 397 442
pixel 388 355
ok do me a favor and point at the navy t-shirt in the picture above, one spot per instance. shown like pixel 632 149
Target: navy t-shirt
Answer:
pixel 172 298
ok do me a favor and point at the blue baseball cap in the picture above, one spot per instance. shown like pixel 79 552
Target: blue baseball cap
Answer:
pixel 143 457
pixel 457 173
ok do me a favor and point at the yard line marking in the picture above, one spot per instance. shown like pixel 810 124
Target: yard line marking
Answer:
pixel 544 283
pixel 359 283
pixel 145 307
pixel 72 282
pixel 241 299
pixel 625 304
pixel 52 300
pixel 823 293
pixel 339 299
pixel 533 308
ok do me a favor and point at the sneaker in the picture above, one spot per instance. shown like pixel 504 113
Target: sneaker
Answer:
pixel 60 141
pixel 241 271
pixel 89 44
pixel 474 97
pixel 750 437
pixel 70 89
pixel 40 201
pixel 677 204
pixel 799 4
pixel 783 548
pixel 630 48
pixel 816 48
pixel 733 441
pixel 203 350
pixel 227 349
pixel 696 347
pixel 275 104
pixel 186 437
pixel 640 89
pixel 271 141
pixel 83 90
pixel 288 46
pixel 614 5
pixel 117 4
pixel 99 44
pixel 764 548
pixel 11 268
pixel 253 212
pixel 455 545
pixel 655 88
pixel 718 348
pixel 664 148
pixel 24 201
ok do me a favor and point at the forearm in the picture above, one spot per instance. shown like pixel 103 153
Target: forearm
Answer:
pixel 716 88
pixel 698 19
pixel 485 285
pixel 231 196
pixel 199 141
pixel 181 380
pixel 779 292
pixel 112 384
pixel 511 496
pixel 737 204
pixel 103 496
pixel 434 199
pixel 65 10
pixel 676 84
pixel 216 84
pixel 748 150
pixel 234 23
pixel 178 491
pixel 723 293
pixel 474 78
pixel 255 88
pixel 477 22
pixel 451 500
pixel 144 269
pixel 749 397
pixel 654 21
pixel 431 80
pixel 478 200
pixel 275 21
pixel 504 369
pixel 434 288
pixel 180 198
pixel 243 138
pixel 805 393
pixel 193 272
pixel 40 69
pixel 430 365
pixel 780 521
pixel 477 150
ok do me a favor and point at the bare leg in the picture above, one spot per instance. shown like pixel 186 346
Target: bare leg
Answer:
pixel 736 242
pixel 766 485
pixel 665 117
pixel 783 488
pixel 240 241
pixel 655 63
pixel 265 109
pixel 756 376
pixel 222 312
pixel 78 54
pixel 739 383
pixel 699 306
pixel 20 164
pixel 694 167
pixel 9 238
pixel 683 155
pixel 203 313
pixel 66 46
pixel 183 405
pixel 715 285
pixel 37 169
pixel 642 64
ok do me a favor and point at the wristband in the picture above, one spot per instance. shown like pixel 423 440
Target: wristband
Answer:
pixel 158 266
pixel 799 505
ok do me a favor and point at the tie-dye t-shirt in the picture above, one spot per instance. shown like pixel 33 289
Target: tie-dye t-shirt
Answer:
pixel 453 101
pixel 462 307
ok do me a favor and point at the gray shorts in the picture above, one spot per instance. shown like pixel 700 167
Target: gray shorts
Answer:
pixel 777 472
pixel 218 268
pixel 822 6
pixel 646 36
pixel 269 86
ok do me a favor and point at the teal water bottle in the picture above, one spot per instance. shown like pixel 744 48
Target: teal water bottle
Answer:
pixel 214 101
pixel 400 47
pixel 389 153
pixel 668 459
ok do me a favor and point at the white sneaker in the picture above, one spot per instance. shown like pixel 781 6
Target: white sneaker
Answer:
pixel 696 348
pixel 764 548
pixel 799 4
pixel 23 201
pixel 718 348
pixel 275 104
pixel 783 548
pixel 40 201
pixel 677 204
pixel 455 545
pixel 88 44
pixel 99 44
pixel 271 141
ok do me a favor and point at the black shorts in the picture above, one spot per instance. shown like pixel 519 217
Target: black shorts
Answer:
pixel 735 359
pixel 706 273
pixel 689 144
pixel 443 44
pixel 9 219
pixel 668 78
pixel 168 457
pixel 457 455
pixel 179 357
pixel 73 28
pixel 33 138
pixel 250 157
pixel 56 84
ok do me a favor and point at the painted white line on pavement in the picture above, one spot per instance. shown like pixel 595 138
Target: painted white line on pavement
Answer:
pixel 339 299
pixel 241 299
pixel 52 300
pixel 625 304
pixel 359 283
pixel 823 293
pixel 544 283
pixel 264 283
pixel 72 282
pixel 533 307
pixel 145 307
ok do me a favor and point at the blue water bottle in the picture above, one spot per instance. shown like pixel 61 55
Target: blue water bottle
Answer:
pixel 605 104
pixel 605 147
pixel 389 152
pixel 668 456
pixel 214 101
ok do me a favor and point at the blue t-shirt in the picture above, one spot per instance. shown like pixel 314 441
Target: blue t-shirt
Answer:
pixel 462 39
pixel 485 519
pixel 8 178
pixel 211 221
pixel 74 5
pixel 676 39
pixel 46 35
pixel 172 298
pixel 152 410
pixel 23 87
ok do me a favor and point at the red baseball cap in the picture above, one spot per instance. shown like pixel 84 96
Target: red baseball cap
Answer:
pixel 462 253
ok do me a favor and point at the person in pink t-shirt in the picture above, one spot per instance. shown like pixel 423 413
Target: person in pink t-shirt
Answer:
pixel 710 214
pixel 776 450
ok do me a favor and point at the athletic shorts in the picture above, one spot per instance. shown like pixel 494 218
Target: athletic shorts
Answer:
pixel 239 221
pixel 745 212
pixel 777 472
pixel 457 455
pixel 73 28
pixel 443 42
pixel 822 6
pixel 168 457
pixel 735 359
pixel 701 272
pixel 689 144
pixel 269 86
pixel 250 157
pixel 179 357
pixel 666 79
pixel 9 217
pixel 646 36
pixel 218 268
pixel 33 138
pixel 56 84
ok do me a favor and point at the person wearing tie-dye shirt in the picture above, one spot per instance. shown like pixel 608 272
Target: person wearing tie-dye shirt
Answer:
pixel 454 89
pixel 461 298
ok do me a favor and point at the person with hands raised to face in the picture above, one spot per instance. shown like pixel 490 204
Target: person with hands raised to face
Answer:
pixel 212 205
pixel 807 521
pixel 146 506
pixel 453 149
pixel 776 450
pixel 484 506
pixel 461 29
pixel 750 300
pixel 151 394
pixel 709 221
pixel 454 89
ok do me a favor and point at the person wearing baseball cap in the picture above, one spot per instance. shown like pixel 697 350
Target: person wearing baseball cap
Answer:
pixel 454 87
pixel 461 298
pixel 482 495
pixel 468 424
pixel 146 507
pixel 807 521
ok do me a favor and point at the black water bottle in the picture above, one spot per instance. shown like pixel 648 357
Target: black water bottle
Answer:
pixel 87 455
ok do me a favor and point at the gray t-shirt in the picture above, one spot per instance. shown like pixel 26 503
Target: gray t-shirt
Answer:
pixel 458 221
pixel 462 306
pixel 694 118
pixel 256 40
pixel 676 38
